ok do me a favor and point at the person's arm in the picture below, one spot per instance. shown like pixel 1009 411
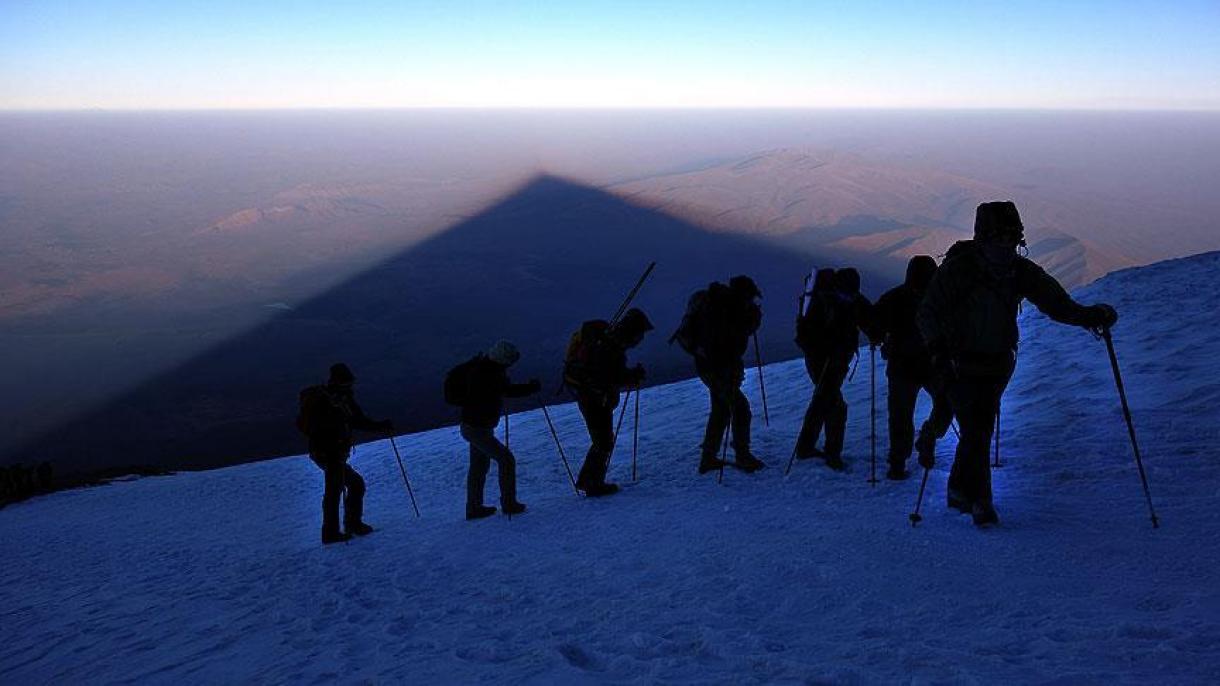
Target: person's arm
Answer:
pixel 521 390
pixel 361 421
pixel 1052 300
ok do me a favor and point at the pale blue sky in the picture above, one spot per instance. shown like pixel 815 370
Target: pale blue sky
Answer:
pixel 65 54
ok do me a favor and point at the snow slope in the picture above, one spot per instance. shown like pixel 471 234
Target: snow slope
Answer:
pixel 218 576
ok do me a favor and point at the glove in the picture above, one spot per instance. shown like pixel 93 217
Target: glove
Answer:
pixel 1102 316
pixel 535 385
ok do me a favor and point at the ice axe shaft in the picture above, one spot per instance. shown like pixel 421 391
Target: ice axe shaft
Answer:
pixel 406 481
pixel 1122 396
pixel 915 517
pixel 631 295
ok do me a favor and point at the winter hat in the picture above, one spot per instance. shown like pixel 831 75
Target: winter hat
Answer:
pixel 847 280
pixel 341 374
pixel 993 220
pixel 745 285
pixel 824 280
pixel 920 270
pixel 635 321
pixel 503 353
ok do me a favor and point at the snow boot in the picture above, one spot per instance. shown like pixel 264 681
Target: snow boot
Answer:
pixel 809 454
pixel 956 501
pixel 479 512
pixel 897 472
pixel 836 463
pixel 746 462
pixel 709 464
pixel 599 490
pixel 329 537
pixel 984 515
pixel 513 508
pixel 359 529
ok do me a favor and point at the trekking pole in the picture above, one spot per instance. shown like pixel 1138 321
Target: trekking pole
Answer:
pixel 555 435
pixel 791 460
pixel 761 386
pixel 724 446
pixel 635 437
pixel 631 295
pixel 915 517
pixel 617 427
pixel 403 469
pixel 996 464
pixel 1122 395
pixel 505 427
pixel 872 414
pixel 953 425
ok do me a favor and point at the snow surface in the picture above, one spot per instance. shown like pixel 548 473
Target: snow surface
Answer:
pixel 218 576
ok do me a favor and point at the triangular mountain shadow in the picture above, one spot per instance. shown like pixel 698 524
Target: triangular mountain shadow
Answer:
pixel 529 268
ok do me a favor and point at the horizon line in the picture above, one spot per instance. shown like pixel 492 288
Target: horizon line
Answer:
pixel 601 108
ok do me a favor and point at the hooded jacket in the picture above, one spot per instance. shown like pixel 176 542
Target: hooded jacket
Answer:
pixel 970 310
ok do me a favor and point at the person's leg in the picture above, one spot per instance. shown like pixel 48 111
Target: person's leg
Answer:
pixel 900 407
pixel 476 476
pixel 485 441
pixel 599 420
pixel 834 408
pixel 972 399
pixel 741 414
pixel 353 508
pixel 811 427
pixel 332 493
pixel 717 417
pixel 939 419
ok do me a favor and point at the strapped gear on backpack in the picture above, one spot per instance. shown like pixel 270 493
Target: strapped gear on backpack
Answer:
pixel 581 346
pixel 320 417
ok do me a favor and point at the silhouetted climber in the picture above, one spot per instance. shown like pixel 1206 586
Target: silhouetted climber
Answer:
pixel 595 368
pixel 329 414
pixel 479 387
pixel 829 334
pixel 969 320
pixel 909 367
pixel 716 330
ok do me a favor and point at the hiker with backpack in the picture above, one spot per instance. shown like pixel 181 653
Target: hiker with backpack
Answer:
pixel 829 336
pixel 716 330
pixel 968 318
pixel 595 369
pixel 328 416
pixel 908 368
pixel 479 386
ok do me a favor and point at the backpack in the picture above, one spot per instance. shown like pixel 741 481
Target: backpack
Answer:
pixel 813 328
pixel 457 381
pixel 580 347
pixel 690 334
pixel 318 416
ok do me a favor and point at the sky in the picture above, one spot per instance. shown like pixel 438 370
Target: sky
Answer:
pixel 244 54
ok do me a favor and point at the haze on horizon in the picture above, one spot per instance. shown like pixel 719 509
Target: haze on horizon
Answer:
pixel 123 54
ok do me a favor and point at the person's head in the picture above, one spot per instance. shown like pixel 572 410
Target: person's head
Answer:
pixel 999 223
pixel 745 287
pixel 503 353
pixel 341 376
pixel 824 280
pixel 847 281
pixel 629 330
pixel 920 270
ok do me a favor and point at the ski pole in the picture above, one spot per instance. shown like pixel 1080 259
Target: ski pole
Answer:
pixel 872 414
pixel 761 386
pixel 997 464
pixel 403 469
pixel 555 435
pixel 635 437
pixel 1122 395
pixel 622 413
pixel 915 517
pixel 631 295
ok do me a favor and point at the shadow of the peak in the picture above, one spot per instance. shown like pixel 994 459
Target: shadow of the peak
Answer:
pixel 529 268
